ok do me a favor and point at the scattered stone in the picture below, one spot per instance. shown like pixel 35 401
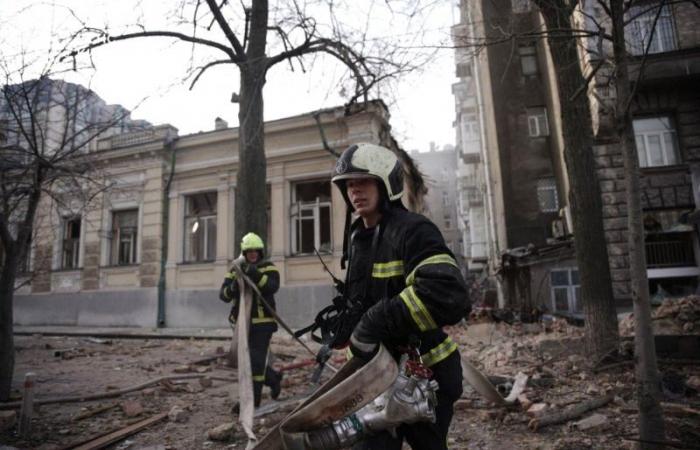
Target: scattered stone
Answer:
pixel 592 422
pixel 203 369
pixel 7 420
pixel 206 382
pixel 525 402
pixel 177 414
pixel 64 431
pixel 693 382
pixel 221 433
pixel 132 408
pixel 592 389
pixel 537 410
pixel 182 369
pixel 148 392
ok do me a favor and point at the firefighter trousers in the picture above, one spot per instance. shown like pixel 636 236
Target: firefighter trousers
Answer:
pixel 263 375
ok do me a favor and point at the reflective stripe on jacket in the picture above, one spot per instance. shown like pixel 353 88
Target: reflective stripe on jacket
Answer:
pixel 268 283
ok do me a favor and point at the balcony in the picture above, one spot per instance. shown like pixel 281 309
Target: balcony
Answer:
pixel 666 252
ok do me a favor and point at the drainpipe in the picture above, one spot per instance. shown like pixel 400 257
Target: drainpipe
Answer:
pixel 170 142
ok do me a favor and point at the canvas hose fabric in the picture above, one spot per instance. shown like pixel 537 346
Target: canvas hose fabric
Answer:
pixel 245 376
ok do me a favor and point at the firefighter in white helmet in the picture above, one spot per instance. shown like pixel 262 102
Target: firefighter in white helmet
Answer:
pixel 404 281
pixel 262 324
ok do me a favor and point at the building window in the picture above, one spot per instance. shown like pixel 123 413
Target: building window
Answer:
pixel 547 195
pixel 537 122
pixel 200 227
pixel 566 290
pixel 124 237
pixel 528 59
pixel 656 141
pixel 71 243
pixel 311 217
pixel 445 198
pixel 464 70
pixel 638 31
pixel 470 127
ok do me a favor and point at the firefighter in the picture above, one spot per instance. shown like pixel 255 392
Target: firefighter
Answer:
pixel 406 282
pixel 262 325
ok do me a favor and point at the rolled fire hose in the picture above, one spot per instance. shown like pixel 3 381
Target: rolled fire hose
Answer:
pixel 352 387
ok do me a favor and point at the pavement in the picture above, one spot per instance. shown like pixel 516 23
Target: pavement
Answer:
pixel 126 332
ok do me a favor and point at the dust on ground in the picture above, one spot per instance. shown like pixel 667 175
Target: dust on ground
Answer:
pixel 560 376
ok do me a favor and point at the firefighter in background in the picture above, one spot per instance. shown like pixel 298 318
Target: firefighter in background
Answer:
pixel 404 284
pixel 262 325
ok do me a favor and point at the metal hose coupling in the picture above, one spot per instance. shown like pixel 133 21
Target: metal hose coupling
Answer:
pixel 410 399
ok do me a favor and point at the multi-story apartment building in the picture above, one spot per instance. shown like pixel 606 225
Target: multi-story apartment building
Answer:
pixel 523 164
pixel 101 265
pixel 438 166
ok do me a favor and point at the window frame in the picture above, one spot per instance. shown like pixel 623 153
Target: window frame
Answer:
pixel 661 134
pixel 115 249
pixel 528 57
pixel 204 223
pixel 295 216
pixel 574 304
pixel 537 116
pixel 638 29
pixel 75 243
pixel 551 186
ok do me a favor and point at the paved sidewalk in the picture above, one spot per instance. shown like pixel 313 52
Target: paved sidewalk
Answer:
pixel 127 332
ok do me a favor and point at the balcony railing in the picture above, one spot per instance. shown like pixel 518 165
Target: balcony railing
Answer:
pixel 671 253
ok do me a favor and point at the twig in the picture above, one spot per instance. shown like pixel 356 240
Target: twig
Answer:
pixel 570 413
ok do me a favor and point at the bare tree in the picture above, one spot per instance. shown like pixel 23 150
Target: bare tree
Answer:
pixel 255 37
pixel 47 128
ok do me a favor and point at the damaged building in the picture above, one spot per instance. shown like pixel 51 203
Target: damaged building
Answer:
pixel 101 265
pixel 509 134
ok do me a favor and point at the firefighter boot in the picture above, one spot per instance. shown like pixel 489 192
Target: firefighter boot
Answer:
pixel 273 379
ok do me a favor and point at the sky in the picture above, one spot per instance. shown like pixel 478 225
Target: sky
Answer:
pixel 147 75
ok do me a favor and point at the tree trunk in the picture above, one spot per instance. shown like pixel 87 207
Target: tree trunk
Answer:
pixel 651 423
pixel 602 336
pixel 251 189
pixel 7 346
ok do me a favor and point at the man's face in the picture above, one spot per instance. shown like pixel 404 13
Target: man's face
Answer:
pixel 252 256
pixel 364 195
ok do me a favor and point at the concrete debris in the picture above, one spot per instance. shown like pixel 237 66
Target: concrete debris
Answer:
pixel 222 433
pixel 673 317
pixel 525 403
pixel 132 408
pixel 592 422
pixel 206 382
pixel 178 414
pixel 8 419
pixel 693 383
pixel 537 410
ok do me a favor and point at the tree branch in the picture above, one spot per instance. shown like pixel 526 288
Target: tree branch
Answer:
pixel 203 68
pixel 228 32
pixel 122 37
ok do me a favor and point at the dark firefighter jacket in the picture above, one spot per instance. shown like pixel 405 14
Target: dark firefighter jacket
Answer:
pixel 267 278
pixel 410 286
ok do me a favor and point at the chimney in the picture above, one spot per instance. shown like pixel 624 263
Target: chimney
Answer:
pixel 220 124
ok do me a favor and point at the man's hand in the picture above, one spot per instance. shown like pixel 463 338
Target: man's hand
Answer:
pixel 363 342
pixel 251 271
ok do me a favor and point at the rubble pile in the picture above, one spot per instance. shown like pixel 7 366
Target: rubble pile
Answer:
pixel 673 317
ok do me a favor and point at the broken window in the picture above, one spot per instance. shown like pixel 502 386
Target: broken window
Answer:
pixel 656 142
pixel 547 195
pixel 641 33
pixel 124 237
pixel 200 227
pixel 311 217
pixel 537 121
pixel 71 243
pixel 566 290
pixel 528 59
